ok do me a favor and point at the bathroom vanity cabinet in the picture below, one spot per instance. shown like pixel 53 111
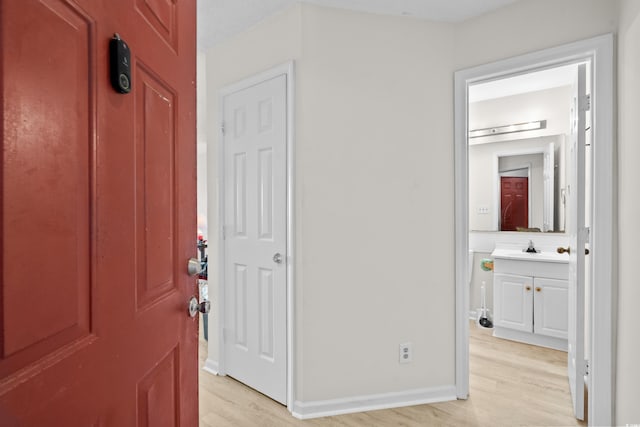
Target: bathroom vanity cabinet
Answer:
pixel 531 297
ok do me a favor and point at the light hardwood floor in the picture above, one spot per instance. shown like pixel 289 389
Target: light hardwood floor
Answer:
pixel 511 384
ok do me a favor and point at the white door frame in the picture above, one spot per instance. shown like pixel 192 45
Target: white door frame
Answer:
pixel 599 51
pixel 287 70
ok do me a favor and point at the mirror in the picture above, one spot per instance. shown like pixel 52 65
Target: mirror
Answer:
pixel 517 185
pixel 518 130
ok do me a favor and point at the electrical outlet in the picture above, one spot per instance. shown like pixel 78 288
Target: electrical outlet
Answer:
pixel 406 353
pixel 483 210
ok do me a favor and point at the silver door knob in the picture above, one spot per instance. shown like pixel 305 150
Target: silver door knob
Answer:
pixel 194 307
pixel 277 258
pixel 193 267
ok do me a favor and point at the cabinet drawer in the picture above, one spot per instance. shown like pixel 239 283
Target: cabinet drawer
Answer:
pixel 551 270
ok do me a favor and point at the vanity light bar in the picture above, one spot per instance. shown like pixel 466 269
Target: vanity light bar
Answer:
pixel 501 130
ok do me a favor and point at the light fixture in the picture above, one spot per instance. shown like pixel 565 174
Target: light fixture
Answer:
pixel 501 130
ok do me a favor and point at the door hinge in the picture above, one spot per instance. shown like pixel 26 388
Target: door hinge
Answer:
pixel 585 234
pixel 584 103
pixel 222 129
pixel 586 367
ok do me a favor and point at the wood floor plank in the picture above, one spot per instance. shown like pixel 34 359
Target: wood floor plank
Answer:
pixel 511 384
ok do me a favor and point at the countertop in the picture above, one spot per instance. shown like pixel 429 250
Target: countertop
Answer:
pixel 520 255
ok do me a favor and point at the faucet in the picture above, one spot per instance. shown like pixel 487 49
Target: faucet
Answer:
pixel 531 249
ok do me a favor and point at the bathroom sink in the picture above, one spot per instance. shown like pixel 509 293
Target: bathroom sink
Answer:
pixel 519 254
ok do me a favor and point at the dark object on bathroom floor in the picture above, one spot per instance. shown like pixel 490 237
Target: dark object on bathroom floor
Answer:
pixel 485 322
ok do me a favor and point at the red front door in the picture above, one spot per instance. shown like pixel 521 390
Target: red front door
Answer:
pixel 98 215
pixel 514 203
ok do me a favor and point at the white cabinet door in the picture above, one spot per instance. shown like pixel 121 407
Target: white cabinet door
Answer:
pixel 513 302
pixel 550 302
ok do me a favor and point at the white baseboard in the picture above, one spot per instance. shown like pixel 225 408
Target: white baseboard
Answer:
pixel 528 338
pixel 348 405
pixel 211 366
pixel 473 315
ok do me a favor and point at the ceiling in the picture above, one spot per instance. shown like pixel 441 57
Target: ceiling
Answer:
pixel 524 83
pixel 221 19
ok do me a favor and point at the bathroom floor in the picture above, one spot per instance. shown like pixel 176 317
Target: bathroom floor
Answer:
pixel 511 384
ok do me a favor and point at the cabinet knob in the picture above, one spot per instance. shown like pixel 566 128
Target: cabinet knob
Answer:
pixel 538 289
pixel 528 288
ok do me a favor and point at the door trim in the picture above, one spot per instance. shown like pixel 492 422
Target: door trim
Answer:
pixel 286 69
pixel 598 50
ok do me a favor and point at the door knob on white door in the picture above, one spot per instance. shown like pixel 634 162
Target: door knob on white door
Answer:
pixel 277 258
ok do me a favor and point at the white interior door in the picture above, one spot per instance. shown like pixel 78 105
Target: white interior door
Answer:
pixel 577 240
pixel 255 132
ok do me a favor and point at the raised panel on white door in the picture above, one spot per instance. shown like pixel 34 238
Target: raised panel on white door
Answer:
pixel 551 299
pixel 513 302
pixel 239 122
pixel 265 115
pixel 266 313
pixel 240 306
pixel 240 194
pixel 265 194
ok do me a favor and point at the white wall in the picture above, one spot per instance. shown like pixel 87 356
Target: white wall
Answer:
pixel 375 184
pixel 530 25
pixel 628 369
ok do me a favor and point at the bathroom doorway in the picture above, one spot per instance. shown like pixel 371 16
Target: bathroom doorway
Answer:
pixel 486 89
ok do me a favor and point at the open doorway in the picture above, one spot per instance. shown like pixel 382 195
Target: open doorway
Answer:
pixel 515 259
pixel 531 301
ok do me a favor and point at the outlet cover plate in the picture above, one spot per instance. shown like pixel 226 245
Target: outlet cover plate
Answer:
pixel 406 353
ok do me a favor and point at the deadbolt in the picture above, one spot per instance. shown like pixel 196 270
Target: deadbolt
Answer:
pixel 277 258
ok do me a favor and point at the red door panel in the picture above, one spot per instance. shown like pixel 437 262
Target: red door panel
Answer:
pixel 97 200
pixel 514 203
